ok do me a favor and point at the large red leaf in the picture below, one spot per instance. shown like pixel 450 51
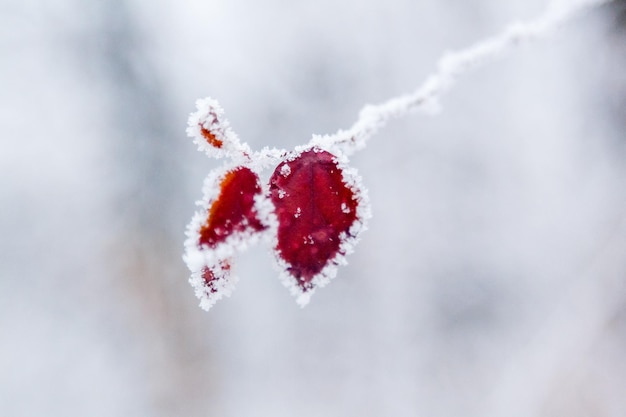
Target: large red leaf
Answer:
pixel 233 211
pixel 315 209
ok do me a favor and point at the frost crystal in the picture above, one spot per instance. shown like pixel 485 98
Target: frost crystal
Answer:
pixel 285 170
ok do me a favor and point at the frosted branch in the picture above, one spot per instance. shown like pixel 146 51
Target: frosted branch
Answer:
pixel 238 209
pixel 449 68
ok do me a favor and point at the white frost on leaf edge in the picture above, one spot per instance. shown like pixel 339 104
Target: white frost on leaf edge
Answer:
pixel 353 181
pixel 197 258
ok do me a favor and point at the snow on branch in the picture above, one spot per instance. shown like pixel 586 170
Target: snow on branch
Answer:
pixel 450 67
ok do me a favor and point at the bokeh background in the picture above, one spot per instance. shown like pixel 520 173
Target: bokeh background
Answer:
pixel 491 281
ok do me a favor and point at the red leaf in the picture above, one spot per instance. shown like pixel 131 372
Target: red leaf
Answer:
pixel 210 137
pixel 315 209
pixel 233 211
pixel 228 223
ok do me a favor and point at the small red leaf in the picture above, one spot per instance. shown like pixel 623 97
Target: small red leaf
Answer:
pixel 233 211
pixel 228 222
pixel 315 209
pixel 210 137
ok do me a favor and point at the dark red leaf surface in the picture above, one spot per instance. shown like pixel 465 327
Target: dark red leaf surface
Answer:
pixel 233 210
pixel 314 207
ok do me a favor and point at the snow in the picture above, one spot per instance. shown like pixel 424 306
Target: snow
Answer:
pixel 285 170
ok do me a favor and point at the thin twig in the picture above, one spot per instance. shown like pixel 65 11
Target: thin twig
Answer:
pixel 449 68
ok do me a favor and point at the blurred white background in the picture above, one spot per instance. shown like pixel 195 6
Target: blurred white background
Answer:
pixel 491 281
